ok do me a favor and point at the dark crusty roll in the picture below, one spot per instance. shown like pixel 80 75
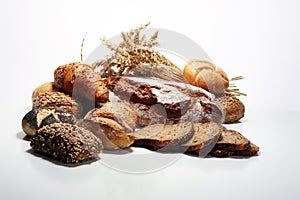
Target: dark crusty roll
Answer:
pixel 39 117
pixel 80 79
pixel 66 142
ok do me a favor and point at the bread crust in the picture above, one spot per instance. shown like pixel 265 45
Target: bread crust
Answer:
pixel 233 107
pixel 80 79
pixel 206 75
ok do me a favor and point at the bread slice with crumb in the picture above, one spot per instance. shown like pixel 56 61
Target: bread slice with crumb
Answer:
pixel 205 137
pixel 161 135
pixel 233 143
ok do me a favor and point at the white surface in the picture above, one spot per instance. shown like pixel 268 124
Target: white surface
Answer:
pixel 256 39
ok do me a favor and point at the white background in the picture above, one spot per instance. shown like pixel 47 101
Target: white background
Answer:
pixel 256 39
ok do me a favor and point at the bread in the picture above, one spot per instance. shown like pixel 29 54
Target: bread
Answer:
pixel 45 87
pixel 58 100
pixel 232 143
pixel 206 75
pixel 205 137
pixel 234 108
pixel 232 140
pixel 39 117
pixel 168 100
pixel 81 80
pixel 162 135
pixel 66 142
pixel 113 131
pixel 250 151
pixel 117 111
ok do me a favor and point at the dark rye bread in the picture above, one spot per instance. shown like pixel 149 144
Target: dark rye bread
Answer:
pixel 169 100
pixel 232 143
pixel 161 135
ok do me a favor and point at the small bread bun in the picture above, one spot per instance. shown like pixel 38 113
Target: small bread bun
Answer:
pixel 233 107
pixel 206 75
pixel 45 87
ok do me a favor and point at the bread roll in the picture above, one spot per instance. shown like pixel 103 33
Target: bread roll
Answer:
pixel 206 75
pixel 45 87
pixel 80 79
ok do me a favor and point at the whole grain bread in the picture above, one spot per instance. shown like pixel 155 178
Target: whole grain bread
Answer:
pixel 252 150
pixel 205 137
pixel 162 135
pixel 233 143
pixel 233 107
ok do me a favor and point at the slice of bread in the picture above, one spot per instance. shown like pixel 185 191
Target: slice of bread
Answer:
pixel 161 135
pixel 205 137
pixel 232 143
pixel 251 151
pixel 232 140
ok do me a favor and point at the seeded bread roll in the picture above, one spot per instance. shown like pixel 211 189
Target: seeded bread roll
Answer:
pixel 206 75
pixel 39 117
pixel 46 87
pixel 162 135
pixel 80 79
pixel 234 108
pixel 58 100
pixel 66 142
pixel 119 112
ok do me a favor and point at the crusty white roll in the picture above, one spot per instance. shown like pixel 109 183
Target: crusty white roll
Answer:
pixel 206 75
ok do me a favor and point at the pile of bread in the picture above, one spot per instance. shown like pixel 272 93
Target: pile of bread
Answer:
pixel 79 114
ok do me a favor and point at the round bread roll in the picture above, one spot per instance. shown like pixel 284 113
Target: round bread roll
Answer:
pixel 233 107
pixel 206 75
pixel 39 117
pixel 45 87
pixel 58 100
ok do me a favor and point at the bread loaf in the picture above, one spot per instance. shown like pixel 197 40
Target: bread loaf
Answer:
pixel 206 75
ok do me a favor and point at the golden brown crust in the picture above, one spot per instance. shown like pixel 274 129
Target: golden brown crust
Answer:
pixel 234 108
pixel 113 131
pixel 206 75
pixel 58 100
pixel 45 87
pixel 117 111
pixel 80 79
